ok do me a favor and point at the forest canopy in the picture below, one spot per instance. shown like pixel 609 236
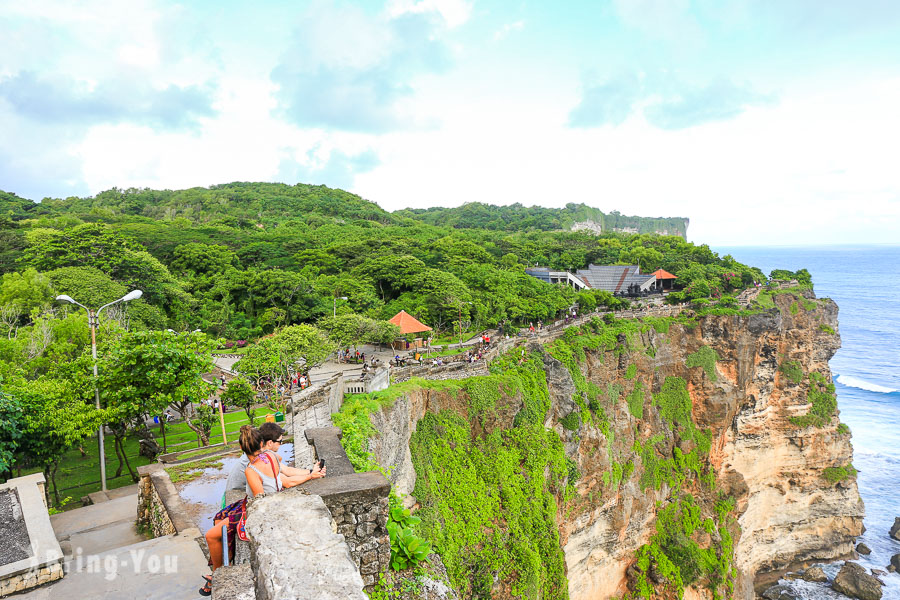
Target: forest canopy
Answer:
pixel 241 259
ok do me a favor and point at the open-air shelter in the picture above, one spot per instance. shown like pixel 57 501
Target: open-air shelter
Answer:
pixel 664 279
pixel 409 324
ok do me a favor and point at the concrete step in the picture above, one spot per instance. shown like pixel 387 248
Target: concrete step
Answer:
pixel 94 516
pixel 165 568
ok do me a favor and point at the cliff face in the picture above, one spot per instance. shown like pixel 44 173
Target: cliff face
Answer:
pixel 640 463
pixel 788 512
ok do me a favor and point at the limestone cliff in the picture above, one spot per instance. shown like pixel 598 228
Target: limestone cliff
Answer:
pixel 719 426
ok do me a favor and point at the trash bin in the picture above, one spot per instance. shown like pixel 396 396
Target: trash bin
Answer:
pixel 270 418
pixel 279 417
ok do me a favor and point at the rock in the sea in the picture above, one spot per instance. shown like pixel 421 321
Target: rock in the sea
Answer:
pixel 815 574
pixel 863 549
pixel 895 529
pixel 895 563
pixel 878 573
pixel 853 580
pixel 779 592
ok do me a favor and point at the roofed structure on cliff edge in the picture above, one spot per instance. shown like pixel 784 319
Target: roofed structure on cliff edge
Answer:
pixel 408 323
pixel 617 279
pixel 664 279
pixel 547 275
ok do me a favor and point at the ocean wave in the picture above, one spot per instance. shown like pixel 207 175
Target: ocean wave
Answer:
pixel 862 384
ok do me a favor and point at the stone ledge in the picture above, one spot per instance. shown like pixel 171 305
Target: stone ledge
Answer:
pixel 295 553
pixel 46 554
pixel 233 583
pixel 349 489
pixel 327 442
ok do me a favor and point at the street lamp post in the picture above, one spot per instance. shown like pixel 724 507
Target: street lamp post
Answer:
pixel 93 322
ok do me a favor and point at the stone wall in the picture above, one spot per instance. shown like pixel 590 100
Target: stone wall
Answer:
pixel 30 530
pixel 295 552
pixel 160 510
pixel 331 391
pixel 454 370
pixel 366 384
pixel 30 579
pixel 359 507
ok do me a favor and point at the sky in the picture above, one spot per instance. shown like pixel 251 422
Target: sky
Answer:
pixel 761 122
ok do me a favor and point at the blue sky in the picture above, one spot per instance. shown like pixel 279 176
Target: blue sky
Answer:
pixel 763 122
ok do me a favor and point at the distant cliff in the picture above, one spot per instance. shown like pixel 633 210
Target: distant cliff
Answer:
pixel 634 458
pixel 572 217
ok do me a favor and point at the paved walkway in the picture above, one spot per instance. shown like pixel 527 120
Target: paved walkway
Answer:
pixel 107 558
pixel 318 415
pixel 166 568
pixel 98 527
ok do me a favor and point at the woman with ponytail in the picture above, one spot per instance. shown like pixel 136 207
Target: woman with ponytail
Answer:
pixel 264 476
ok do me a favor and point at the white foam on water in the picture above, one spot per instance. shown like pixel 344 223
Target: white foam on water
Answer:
pixel 850 381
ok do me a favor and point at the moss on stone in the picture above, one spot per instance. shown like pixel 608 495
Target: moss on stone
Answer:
pixel 636 401
pixel 823 403
pixel 837 474
pixel 705 357
pixel 792 370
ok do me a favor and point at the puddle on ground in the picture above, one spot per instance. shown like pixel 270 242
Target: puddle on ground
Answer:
pixel 203 496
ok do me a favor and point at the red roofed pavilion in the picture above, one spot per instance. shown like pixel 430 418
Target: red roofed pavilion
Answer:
pixel 664 279
pixel 408 323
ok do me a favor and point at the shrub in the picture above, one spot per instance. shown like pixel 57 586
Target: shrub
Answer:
pixel 837 474
pixel 705 357
pixel 792 370
pixel 823 403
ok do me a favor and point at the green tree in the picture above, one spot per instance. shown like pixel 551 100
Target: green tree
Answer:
pixel 348 330
pixel 29 291
pixel 143 372
pixel 273 360
pixel 239 393
pixel 58 414
pixel 202 259
pixel 11 423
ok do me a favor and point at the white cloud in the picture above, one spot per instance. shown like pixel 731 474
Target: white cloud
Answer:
pixel 812 170
pixel 454 12
pixel 508 28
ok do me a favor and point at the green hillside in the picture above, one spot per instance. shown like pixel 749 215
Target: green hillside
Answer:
pixel 239 260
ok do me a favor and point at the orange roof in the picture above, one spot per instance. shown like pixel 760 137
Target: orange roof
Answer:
pixel 408 323
pixel 660 274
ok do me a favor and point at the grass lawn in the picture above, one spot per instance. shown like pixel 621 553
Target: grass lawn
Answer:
pixel 448 352
pixel 234 350
pixel 79 475
pixel 453 338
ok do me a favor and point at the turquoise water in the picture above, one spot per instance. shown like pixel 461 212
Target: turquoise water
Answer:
pixel 863 280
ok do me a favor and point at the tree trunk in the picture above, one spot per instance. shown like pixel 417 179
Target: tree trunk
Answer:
pixel 131 472
pixel 162 428
pixel 53 481
pixel 118 455
pixel 47 487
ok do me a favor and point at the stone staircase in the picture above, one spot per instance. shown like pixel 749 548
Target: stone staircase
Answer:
pixel 107 558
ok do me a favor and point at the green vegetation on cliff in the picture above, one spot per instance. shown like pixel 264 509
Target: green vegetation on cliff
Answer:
pixel 823 403
pixel 488 505
pixel 837 474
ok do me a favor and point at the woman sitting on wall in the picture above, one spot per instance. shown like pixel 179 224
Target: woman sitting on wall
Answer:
pixel 264 476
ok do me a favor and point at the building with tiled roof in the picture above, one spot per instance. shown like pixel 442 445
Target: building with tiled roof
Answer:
pixel 664 279
pixel 617 279
pixel 550 276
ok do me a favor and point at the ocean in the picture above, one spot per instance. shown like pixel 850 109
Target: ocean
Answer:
pixel 862 280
